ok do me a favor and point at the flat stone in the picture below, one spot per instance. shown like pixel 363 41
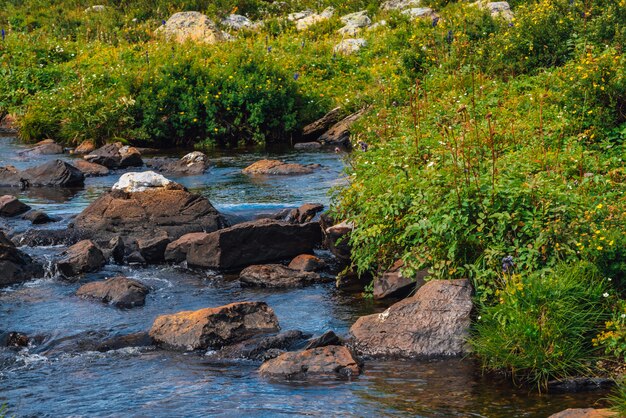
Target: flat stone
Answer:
pixel 307 262
pixel 278 168
pixel 120 291
pixel 329 361
pixel 276 275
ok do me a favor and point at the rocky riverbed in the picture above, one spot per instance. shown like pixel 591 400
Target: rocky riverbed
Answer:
pixel 133 299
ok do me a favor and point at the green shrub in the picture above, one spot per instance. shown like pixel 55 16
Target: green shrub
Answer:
pixel 618 399
pixel 543 325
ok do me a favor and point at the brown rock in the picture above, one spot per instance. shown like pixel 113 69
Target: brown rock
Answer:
pixel 393 283
pixel 82 257
pixel 214 327
pixel 55 173
pixel 434 322
pixel 37 217
pixel 45 147
pixel 10 206
pixel 321 361
pixel 85 147
pixel 174 210
pixel 264 347
pixel 339 134
pixel 176 251
pixel 315 129
pixel 15 265
pixel 138 339
pixel 305 213
pixel 116 156
pixel 338 240
pixel 278 168
pixel 253 242
pixel 118 291
pixel 91 169
pixel 584 413
pixel 326 339
pixel 192 164
pixel 152 249
pixel 276 275
pixel 307 262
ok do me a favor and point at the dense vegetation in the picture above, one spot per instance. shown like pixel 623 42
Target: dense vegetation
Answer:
pixel 494 149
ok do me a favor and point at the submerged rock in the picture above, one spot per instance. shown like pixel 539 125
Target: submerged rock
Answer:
pixel 393 283
pixel 276 275
pixel 253 242
pixel 15 265
pixel 138 339
pixel 116 156
pixel 279 168
pixel 11 206
pixel 579 384
pixel 214 327
pixel 315 362
pixel 82 257
pixel 262 348
pixel 191 26
pixel 434 322
pixel 48 237
pixel 119 291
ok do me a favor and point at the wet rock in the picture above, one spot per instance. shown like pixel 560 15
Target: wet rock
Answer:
pixel 315 129
pixel 192 164
pixel 191 26
pixel 579 384
pixel 48 237
pixel 263 348
pixel 393 284
pixel 15 265
pixel 153 249
pixel 316 362
pixel 10 206
pixel 85 147
pixel 176 251
pixel 82 257
pixel 400 4
pixel 337 240
pixel 421 13
pixel 324 340
pixel 115 156
pixel 305 213
pixel 276 275
pixel 307 145
pixel 116 249
pixel 91 169
pixel 138 339
pixel 135 258
pixel 584 413
pixel 13 339
pixel 117 291
pixel 171 209
pixel 350 46
pixel 307 262
pixel 55 173
pixel 434 322
pixel 37 217
pixel 45 147
pixel 213 327
pixel 253 242
pixel 339 133
pixel 279 168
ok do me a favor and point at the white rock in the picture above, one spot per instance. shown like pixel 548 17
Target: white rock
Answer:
pixel 421 13
pixel 354 22
pixel 310 20
pixel 96 8
pixel 237 22
pixel 300 15
pixel 349 46
pixel 399 4
pixel 139 182
pixel 498 8
pixel 377 25
pixel 194 26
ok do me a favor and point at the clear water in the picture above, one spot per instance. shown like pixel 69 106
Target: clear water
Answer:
pixel 56 376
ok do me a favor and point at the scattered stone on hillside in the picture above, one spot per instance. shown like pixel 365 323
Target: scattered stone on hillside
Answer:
pixel 300 15
pixel 192 26
pixel 192 164
pixel 15 265
pixel 392 283
pixel 339 134
pixel 354 22
pixel 497 9
pixel 82 257
pixel 377 25
pixel 263 347
pixel 304 20
pixel 176 251
pixel 421 13
pixel 314 130
pixel 329 361
pixel 11 206
pixel 91 169
pixel 45 147
pixel 253 242
pixel 584 413
pixel 434 322
pixel 96 8
pixel 305 213
pixel 399 4
pixel 307 262
pixel 37 217
pixel 116 156
pixel 324 340
pixel 152 249
pixel 337 239
pixel 276 275
pixel 237 22
pixel 214 327
pixel 350 46
pixel 121 292
pixel 85 147
pixel 279 168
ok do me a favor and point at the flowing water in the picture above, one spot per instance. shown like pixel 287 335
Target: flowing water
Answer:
pixel 59 375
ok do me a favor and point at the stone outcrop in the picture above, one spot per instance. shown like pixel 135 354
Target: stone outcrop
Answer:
pixel 116 156
pixel 11 206
pixel 191 26
pixel 15 265
pixel 330 361
pixel 213 327
pixel 82 257
pixel 314 130
pixel 497 9
pixel 176 251
pixel 55 173
pixel 339 133
pixel 85 147
pixel 307 262
pixel 238 22
pixel 278 168
pixel 393 283
pixel 192 164
pixel 434 322
pixel 117 291
pixel 354 22
pixel 350 46
pixel 91 169
pixel 276 275
pixel 253 242
pixel 139 208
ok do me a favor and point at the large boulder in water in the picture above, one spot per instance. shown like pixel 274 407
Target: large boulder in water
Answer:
pixel 11 206
pixel 278 168
pixel 118 291
pixel 434 322
pixel 55 173
pixel 116 156
pixel 253 242
pixel 332 360
pixel 192 164
pixel 82 257
pixel 145 204
pixel 15 265
pixel 192 26
pixel 276 275
pixel 214 327
pixel 176 251
pixel 45 147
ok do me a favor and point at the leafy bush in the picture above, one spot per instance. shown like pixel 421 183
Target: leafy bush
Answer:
pixel 618 399
pixel 543 324
pixel 613 337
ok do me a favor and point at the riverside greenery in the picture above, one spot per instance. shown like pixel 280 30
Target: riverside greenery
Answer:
pixel 487 139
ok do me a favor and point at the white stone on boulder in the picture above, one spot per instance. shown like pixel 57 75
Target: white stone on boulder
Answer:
pixel 140 182
pixel 349 46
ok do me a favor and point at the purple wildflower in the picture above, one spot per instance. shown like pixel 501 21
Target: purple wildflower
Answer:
pixel 3 34
pixel 163 22
pixel 363 146
pixel 507 263
pixel 296 76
